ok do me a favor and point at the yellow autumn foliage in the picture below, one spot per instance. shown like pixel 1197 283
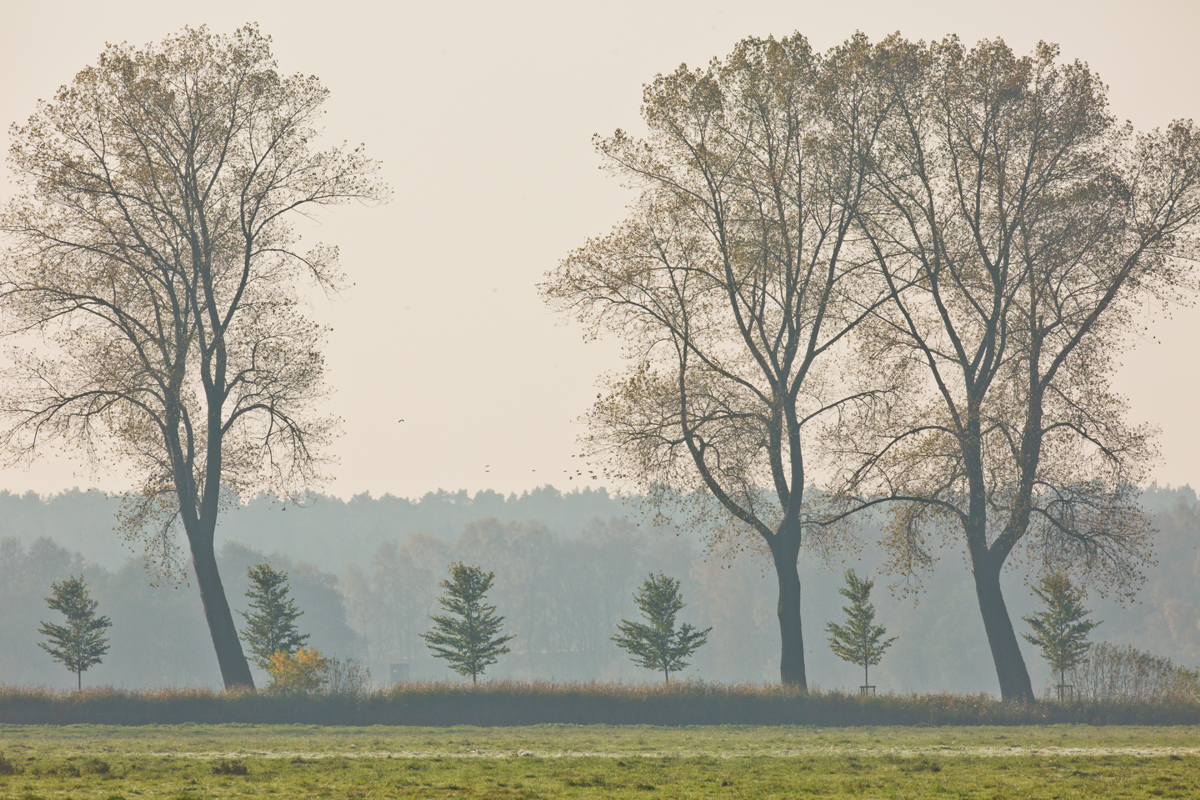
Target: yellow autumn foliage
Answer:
pixel 302 671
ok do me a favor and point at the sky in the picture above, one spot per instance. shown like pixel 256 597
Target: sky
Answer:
pixel 482 114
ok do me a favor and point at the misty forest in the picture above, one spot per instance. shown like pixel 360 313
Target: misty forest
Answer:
pixel 870 301
pixel 566 566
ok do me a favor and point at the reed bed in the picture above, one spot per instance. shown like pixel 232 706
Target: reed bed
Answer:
pixel 508 703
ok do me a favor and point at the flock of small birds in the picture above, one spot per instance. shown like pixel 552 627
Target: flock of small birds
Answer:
pixel 578 472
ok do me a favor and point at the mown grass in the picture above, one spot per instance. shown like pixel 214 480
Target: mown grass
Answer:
pixel 597 761
pixel 539 702
pixel 552 740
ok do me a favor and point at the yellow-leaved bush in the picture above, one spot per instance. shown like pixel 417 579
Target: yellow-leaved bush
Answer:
pixel 302 671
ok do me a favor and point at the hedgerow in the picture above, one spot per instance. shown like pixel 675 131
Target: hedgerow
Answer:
pixel 502 703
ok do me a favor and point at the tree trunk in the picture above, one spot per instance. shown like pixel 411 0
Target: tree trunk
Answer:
pixel 79 680
pixel 235 671
pixel 791 658
pixel 1010 664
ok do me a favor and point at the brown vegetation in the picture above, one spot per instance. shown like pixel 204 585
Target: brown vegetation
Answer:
pixel 508 703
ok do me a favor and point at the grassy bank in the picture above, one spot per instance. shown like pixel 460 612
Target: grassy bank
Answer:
pixel 504 703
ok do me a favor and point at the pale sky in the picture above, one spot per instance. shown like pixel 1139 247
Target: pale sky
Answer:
pixel 482 114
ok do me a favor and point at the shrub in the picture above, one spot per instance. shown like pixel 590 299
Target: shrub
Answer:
pixel 346 678
pixel 1110 671
pixel 299 672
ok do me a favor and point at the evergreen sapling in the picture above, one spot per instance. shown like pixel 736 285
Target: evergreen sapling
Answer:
pixel 271 622
pixel 860 641
pixel 80 643
pixel 657 645
pixel 468 636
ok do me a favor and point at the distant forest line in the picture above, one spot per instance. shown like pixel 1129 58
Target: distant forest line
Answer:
pixel 365 571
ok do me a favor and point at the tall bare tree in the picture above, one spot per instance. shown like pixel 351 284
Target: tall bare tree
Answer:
pixel 735 283
pixel 150 246
pixel 1019 227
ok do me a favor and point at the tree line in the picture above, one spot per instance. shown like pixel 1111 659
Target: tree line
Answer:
pixel 469 636
pixel 902 267
pixel 375 612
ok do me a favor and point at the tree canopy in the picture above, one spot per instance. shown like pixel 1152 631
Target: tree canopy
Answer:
pixel 731 285
pixel 911 265
pixel 1020 228
pixel 152 248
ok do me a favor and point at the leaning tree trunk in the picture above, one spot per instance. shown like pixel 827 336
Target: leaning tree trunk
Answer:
pixel 791 658
pixel 1010 664
pixel 235 670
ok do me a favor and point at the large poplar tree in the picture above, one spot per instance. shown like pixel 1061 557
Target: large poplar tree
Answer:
pixel 151 249
pixel 734 284
pixel 1021 229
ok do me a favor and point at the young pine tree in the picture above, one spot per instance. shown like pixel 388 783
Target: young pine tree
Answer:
pixel 657 645
pixel 860 641
pixel 271 622
pixel 468 636
pixel 81 642
pixel 1060 631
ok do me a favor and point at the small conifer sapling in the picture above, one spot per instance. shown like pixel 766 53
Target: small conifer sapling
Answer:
pixel 468 636
pixel 80 643
pixel 271 621
pixel 860 641
pixel 1061 632
pixel 656 644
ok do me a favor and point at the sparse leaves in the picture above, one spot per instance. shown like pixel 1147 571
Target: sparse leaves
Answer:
pixel 735 285
pixel 1020 228
pixel 151 250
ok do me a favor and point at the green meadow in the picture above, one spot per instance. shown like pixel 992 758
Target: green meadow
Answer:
pixel 211 761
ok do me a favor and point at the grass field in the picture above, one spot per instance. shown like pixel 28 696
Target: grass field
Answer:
pixel 595 761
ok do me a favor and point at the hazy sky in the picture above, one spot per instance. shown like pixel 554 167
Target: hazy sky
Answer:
pixel 482 114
